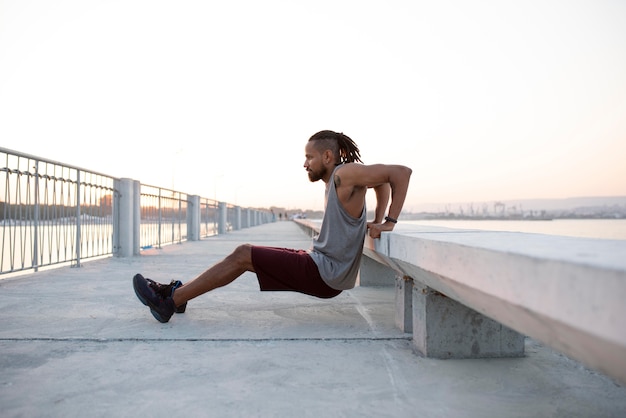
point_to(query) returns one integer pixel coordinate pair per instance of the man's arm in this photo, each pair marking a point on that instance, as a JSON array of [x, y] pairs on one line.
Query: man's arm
[[398, 180], [355, 176], [383, 192]]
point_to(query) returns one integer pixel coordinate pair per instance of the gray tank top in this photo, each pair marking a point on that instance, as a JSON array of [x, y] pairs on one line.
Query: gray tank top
[[338, 248]]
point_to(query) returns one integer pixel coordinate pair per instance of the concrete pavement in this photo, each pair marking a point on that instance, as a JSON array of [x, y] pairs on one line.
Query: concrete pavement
[[76, 342]]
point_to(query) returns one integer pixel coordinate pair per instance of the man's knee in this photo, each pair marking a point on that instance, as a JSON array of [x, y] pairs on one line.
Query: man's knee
[[243, 256], [243, 250]]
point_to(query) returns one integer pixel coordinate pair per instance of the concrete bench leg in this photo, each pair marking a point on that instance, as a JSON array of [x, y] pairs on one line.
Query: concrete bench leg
[[444, 328], [375, 274], [404, 303]]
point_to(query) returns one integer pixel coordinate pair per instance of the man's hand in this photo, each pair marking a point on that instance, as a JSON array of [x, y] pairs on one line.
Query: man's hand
[[375, 229]]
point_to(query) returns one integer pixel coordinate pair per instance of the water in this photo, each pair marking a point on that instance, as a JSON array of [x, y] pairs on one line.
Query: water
[[583, 228]]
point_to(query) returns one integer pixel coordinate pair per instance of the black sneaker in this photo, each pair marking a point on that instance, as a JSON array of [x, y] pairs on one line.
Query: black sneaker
[[166, 290], [162, 308]]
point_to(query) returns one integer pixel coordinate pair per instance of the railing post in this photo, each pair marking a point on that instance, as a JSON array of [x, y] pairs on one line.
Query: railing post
[[222, 218], [173, 238], [160, 221], [136, 217], [242, 218], [126, 231], [115, 204], [35, 260], [215, 217], [78, 218], [193, 218], [237, 222]]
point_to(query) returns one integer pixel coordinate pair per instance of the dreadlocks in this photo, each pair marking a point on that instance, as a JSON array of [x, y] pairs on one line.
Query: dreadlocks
[[344, 149]]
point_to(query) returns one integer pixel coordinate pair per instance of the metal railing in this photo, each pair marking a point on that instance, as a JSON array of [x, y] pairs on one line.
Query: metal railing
[[208, 217], [163, 216], [53, 213]]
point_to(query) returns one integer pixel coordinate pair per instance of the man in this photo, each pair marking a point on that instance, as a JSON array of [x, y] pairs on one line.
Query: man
[[332, 263]]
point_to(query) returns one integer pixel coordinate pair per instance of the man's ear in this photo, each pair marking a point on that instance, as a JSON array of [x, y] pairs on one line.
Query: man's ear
[[327, 156]]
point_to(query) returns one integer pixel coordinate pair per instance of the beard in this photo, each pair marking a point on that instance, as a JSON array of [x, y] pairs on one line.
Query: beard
[[316, 175]]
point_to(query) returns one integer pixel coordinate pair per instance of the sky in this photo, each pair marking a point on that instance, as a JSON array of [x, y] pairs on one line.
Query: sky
[[484, 100]]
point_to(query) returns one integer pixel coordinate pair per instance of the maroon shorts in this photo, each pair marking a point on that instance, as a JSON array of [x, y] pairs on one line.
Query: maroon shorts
[[287, 269]]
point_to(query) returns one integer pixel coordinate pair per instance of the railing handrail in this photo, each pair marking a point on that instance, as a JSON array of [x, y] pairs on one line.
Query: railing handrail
[[49, 161]]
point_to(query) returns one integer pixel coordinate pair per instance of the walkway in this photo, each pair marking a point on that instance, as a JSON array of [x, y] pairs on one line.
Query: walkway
[[76, 342]]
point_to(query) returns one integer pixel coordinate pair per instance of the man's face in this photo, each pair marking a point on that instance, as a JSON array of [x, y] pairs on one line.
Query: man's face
[[313, 162]]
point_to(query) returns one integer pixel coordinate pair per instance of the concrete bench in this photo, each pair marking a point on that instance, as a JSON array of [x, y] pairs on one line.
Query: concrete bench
[[472, 294]]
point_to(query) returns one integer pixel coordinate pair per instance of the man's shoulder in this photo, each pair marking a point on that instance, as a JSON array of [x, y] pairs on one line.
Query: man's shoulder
[[358, 174], [349, 168], [346, 174]]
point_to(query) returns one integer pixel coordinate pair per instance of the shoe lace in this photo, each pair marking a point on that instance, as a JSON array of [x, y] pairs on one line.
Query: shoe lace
[[164, 290]]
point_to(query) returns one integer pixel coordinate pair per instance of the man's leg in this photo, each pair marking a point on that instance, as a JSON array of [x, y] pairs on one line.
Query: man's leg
[[221, 274]]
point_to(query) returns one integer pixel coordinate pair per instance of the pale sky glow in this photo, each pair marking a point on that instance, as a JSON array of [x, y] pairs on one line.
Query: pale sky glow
[[484, 100]]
